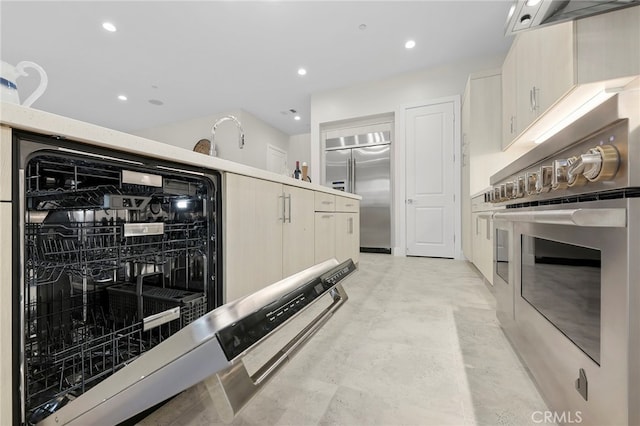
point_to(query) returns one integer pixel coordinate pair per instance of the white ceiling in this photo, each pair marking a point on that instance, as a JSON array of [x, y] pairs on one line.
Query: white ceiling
[[205, 57]]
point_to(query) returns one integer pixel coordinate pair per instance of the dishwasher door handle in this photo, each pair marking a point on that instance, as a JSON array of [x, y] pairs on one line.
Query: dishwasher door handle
[[233, 387]]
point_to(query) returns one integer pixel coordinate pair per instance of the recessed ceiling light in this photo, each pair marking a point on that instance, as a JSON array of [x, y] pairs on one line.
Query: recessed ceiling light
[[297, 118], [525, 20], [109, 27], [410, 44], [156, 102], [122, 97], [302, 71], [532, 2]]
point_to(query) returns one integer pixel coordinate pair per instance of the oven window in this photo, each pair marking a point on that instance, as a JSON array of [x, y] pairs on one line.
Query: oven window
[[562, 282], [502, 254]]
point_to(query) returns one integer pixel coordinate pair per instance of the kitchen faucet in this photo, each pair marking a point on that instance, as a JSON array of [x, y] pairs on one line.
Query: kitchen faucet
[[215, 126]]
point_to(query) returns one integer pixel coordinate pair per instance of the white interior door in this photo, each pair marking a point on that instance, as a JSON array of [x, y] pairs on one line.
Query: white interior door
[[276, 160], [430, 190]]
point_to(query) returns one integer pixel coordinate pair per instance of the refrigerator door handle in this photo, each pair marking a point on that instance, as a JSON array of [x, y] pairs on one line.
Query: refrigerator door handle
[[349, 185], [354, 176]]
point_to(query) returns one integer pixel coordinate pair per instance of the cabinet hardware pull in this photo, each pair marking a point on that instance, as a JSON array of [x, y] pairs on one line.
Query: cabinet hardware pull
[[531, 100], [289, 197]]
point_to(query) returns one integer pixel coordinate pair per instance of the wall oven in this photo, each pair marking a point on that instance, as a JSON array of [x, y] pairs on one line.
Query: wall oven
[[568, 272]]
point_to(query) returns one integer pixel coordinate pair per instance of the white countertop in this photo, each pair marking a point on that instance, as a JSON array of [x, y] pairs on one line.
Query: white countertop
[[33, 120]]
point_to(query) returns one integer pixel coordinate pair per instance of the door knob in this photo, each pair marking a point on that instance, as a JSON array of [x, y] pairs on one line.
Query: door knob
[[409, 201]]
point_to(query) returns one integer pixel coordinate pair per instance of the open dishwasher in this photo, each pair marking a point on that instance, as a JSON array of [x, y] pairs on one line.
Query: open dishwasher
[[118, 255], [119, 293]]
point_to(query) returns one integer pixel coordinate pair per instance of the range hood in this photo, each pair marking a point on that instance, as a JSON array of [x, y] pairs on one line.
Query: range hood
[[529, 14]]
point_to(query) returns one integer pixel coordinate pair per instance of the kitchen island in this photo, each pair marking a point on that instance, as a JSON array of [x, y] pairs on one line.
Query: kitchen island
[[271, 226]]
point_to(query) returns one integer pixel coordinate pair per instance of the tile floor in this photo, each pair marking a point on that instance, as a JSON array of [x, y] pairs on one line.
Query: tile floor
[[417, 343]]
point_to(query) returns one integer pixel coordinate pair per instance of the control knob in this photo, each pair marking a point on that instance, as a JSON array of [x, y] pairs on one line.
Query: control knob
[[599, 163], [560, 179], [530, 183], [545, 175]]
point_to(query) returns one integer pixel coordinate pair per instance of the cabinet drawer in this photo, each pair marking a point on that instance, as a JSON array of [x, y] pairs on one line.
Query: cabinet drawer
[[344, 204], [325, 202]]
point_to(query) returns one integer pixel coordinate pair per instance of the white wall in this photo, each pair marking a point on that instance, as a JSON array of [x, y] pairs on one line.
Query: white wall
[[300, 150], [258, 135], [392, 95]]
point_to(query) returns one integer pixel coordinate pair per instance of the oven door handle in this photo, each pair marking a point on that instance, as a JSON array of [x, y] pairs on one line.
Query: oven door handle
[[607, 218]]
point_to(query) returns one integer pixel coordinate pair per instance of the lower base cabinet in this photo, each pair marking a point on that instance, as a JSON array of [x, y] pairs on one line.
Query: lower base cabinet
[[482, 240], [274, 230], [325, 236], [337, 229], [347, 236]]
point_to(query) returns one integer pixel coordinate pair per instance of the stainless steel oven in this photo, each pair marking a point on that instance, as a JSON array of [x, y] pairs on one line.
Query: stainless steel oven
[[567, 264]]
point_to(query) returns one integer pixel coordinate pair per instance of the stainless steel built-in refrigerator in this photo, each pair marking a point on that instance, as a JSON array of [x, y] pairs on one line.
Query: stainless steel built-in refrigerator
[[361, 164]]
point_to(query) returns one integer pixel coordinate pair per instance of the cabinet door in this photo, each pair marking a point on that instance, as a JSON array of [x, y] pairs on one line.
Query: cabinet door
[[253, 235], [298, 230], [347, 237], [527, 62], [555, 68], [325, 236], [482, 245], [5, 163], [509, 98], [607, 45], [6, 347]]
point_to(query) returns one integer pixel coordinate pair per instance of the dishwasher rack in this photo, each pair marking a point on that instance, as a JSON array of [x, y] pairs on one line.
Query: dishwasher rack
[[95, 249], [117, 259], [81, 328]]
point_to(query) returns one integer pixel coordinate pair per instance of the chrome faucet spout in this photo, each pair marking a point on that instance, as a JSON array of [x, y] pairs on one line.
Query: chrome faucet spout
[[222, 120]]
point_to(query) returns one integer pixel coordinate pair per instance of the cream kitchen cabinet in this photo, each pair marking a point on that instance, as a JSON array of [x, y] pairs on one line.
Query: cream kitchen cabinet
[[5, 163], [6, 352], [482, 149], [608, 45], [337, 229], [269, 230], [347, 240], [253, 235], [544, 72], [297, 230], [325, 236], [483, 244], [509, 104], [482, 237], [549, 72]]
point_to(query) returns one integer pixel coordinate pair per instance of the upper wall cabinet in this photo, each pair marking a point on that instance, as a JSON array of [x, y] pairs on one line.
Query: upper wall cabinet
[[545, 66], [509, 104], [538, 71], [608, 45]]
